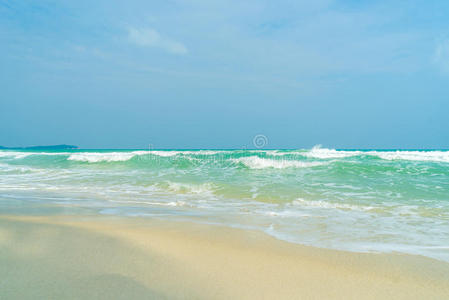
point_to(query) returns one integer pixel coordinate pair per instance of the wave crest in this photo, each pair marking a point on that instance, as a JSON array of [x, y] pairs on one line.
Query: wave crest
[[324, 153], [99, 157], [432, 156], [435, 156], [255, 162]]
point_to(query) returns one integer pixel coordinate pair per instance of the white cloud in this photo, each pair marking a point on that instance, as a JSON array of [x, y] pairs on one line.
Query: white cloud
[[148, 37], [441, 57]]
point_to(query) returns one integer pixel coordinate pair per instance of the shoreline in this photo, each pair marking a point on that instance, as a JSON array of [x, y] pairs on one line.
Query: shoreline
[[119, 257]]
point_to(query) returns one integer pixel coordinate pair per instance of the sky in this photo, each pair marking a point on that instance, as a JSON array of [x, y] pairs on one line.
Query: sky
[[214, 74]]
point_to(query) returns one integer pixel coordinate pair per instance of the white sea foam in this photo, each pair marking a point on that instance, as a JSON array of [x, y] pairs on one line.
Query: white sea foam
[[278, 153], [14, 154], [19, 154], [329, 205], [171, 203], [205, 188], [163, 153], [435, 156], [124, 156], [324, 153], [93, 157], [168, 153], [255, 162]]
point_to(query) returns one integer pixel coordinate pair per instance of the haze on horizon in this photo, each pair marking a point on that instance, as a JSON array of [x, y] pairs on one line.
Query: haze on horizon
[[213, 74]]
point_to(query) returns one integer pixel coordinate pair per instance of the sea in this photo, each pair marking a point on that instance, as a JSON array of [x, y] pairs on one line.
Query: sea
[[355, 200]]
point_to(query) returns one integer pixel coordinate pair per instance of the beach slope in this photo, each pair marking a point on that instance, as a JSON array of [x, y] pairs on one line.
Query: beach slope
[[63, 257]]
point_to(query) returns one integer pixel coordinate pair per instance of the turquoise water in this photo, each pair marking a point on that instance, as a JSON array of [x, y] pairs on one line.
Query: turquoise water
[[380, 201]]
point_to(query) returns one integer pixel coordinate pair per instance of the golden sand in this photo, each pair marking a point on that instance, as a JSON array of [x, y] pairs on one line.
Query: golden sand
[[120, 258]]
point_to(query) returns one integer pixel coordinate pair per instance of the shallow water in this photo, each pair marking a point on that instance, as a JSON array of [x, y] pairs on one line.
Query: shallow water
[[352, 200]]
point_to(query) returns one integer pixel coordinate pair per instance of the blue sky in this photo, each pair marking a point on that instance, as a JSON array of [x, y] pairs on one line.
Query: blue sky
[[213, 74]]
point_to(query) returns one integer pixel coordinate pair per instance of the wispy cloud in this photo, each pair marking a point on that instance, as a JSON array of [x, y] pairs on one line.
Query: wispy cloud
[[441, 57], [149, 37]]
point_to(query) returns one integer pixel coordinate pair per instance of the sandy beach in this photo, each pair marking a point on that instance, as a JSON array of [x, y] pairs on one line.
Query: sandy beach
[[62, 257], [224, 150]]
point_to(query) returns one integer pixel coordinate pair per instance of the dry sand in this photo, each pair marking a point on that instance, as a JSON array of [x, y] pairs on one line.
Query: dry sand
[[120, 258]]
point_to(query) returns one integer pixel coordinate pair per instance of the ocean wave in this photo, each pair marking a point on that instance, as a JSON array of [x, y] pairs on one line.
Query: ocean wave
[[324, 153], [168, 153], [13, 154], [255, 162], [164, 153], [20, 155], [284, 152], [93, 157], [433, 156]]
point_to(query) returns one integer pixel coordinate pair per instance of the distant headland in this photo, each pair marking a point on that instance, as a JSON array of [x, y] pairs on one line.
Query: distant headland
[[51, 147]]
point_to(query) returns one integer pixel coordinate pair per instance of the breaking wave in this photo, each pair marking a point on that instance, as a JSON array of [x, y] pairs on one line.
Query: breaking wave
[[250, 158], [99, 157], [255, 162], [416, 155]]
